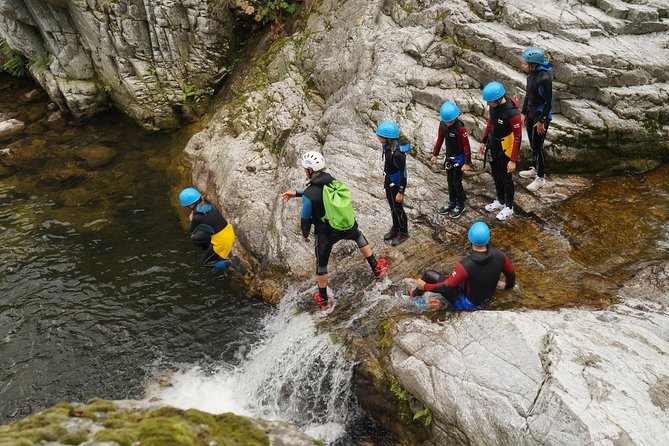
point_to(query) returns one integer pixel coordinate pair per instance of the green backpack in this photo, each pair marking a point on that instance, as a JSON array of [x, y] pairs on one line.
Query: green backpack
[[338, 208]]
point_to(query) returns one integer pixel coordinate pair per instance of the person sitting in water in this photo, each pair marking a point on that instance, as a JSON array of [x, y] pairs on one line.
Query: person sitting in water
[[473, 281], [210, 231]]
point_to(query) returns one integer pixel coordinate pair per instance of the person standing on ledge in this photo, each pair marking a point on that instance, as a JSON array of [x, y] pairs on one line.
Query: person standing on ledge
[[210, 231], [536, 112], [315, 212], [394, 179], [502, 138], [472, 283], [453, 134]]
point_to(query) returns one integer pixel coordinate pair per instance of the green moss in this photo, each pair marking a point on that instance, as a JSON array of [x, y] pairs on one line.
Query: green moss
[[319, 443], [43, 426], [95, 407], [14, 64], [75, 438], [426, 413], [375, 106], [386, 340]]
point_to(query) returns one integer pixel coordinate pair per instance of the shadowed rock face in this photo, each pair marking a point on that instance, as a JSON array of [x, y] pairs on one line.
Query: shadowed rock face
[[151, 59]]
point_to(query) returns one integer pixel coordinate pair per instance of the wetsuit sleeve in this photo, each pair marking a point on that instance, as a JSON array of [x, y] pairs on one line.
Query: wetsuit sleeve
[[440, 141], [509, 273], [517, 130], [306, 217], [546, 84], [458, 276], [402, 166], [488, 128], [299, 192], [527, 97], [463, 142]]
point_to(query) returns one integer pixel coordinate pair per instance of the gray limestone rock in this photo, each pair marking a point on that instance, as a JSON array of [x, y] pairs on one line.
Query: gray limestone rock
[[543, 377]]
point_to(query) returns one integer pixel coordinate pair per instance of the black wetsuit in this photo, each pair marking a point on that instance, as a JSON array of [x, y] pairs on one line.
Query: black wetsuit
[[395, 172], [207, 221], [537, 108], [313, 212]]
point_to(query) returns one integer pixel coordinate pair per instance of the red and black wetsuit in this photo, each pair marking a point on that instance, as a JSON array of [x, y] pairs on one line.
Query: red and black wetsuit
[[474, 280], [457, 154], [502, 135], [537, 108]]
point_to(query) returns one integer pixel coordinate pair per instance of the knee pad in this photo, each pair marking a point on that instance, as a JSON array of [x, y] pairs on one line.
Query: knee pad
[[361, 241]]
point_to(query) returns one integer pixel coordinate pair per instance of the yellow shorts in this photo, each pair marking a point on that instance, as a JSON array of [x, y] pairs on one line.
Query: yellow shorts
[[222, 241]]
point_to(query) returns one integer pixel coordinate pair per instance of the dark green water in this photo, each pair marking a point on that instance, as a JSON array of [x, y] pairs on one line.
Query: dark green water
[[99, 285]]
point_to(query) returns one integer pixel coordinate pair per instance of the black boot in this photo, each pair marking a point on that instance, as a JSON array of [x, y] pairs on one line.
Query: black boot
[[391, 234]]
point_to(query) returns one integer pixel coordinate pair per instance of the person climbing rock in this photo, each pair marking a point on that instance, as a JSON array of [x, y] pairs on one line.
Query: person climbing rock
[[453, 134], [472, 283], [394, 179], [502, 138], [536, 111], [332, 219], [210, 231]]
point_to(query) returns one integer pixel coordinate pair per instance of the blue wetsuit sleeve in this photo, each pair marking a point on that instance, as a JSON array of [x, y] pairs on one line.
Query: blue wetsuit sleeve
[[546, 87], [402, 166], [299, 192], [306, 216]]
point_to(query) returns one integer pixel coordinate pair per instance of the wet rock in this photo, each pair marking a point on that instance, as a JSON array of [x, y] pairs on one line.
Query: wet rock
[[25, 152], [10, 128], [32, 96], [57, 120], [62, 176], [96, 156], [514, 377], [52, 107], [36, 113], [6, 116]]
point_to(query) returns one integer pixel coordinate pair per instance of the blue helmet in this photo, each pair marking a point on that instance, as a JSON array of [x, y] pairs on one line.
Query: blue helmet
[[493, 91], [479, 234], [189, 196], [388, 130], [449, 111], [533, 55]]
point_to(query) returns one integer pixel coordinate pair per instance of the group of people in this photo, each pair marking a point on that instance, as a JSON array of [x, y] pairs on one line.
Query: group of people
[[473, 281]]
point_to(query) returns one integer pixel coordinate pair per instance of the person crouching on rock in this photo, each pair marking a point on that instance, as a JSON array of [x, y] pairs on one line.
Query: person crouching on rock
[[210, 231], [474, 280], [394, 179], [315, 212]]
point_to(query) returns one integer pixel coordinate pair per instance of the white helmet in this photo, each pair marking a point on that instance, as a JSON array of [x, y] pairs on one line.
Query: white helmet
[[314, 161]]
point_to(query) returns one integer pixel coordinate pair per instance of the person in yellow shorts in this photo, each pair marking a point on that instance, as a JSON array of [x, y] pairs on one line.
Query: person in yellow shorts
[[210, 231]]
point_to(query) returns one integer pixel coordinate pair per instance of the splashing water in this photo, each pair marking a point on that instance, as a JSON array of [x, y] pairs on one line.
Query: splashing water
[[294, 374]]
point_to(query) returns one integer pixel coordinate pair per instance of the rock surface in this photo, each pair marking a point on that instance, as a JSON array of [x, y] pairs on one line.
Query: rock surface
[[539, 377], [152, 59], [357, 63]]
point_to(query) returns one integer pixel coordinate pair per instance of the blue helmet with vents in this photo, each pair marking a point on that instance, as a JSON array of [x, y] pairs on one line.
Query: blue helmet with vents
[[388, 130], [479, 234], [533, 55], [449, 111], [493, 92], [189, 196]]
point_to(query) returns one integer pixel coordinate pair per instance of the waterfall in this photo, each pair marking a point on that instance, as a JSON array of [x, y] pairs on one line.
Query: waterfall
[[295, 373]]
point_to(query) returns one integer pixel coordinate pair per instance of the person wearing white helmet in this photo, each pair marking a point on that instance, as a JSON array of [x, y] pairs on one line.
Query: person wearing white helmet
[[314, 213]]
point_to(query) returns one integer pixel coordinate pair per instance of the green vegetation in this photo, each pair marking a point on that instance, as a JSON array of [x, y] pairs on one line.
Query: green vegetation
[[425, 413], [191, 93], [275, 11], [44, 60], [15, 64], [386, 340], [375, 106]]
